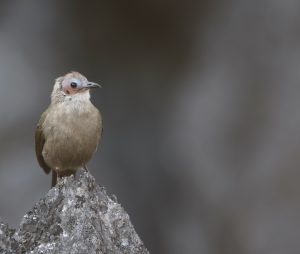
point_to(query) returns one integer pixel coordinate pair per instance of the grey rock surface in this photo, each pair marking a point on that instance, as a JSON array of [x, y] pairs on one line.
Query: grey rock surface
[[76, 216]]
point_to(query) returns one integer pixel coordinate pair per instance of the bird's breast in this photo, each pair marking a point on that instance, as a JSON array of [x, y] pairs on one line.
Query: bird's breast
[[72, 132]]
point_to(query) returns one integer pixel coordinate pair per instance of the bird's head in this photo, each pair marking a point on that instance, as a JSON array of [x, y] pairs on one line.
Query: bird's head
[[72, 85]]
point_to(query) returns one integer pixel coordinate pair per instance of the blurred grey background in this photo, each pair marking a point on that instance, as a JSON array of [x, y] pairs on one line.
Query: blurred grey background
[[200, 102]]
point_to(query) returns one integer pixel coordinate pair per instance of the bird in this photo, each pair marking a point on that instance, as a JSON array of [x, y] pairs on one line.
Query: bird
[[69, 130]]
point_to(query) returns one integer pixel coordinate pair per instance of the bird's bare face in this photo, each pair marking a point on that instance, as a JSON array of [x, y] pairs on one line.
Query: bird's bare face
[[73, 83]]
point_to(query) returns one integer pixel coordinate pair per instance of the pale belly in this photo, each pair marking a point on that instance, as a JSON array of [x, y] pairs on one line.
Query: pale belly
[[71, 138]]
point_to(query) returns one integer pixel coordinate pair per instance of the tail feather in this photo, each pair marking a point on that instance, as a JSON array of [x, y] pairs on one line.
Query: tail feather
[[54, 178]]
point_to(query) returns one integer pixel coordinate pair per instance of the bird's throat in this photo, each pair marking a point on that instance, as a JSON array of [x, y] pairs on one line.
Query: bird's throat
[[79, 96]]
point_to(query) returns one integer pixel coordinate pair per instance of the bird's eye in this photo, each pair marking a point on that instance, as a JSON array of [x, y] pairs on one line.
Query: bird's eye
[[73, 84]]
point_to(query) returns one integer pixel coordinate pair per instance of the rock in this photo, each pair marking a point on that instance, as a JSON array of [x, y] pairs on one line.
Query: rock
[[75, 216]]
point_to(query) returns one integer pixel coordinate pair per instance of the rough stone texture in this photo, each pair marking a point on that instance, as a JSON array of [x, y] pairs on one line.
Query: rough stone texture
[[76, 216]]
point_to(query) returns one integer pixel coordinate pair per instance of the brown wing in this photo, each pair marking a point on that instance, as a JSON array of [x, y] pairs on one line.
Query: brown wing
[[39, 144]]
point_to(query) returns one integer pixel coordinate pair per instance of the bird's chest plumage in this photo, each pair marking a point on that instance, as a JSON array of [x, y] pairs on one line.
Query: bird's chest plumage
[[72, 132]]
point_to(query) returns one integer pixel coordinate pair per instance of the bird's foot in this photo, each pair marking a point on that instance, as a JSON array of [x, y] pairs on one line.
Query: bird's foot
[[85, 168]]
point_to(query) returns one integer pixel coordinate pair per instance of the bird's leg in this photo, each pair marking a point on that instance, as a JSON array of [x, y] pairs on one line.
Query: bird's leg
[[60, 174]]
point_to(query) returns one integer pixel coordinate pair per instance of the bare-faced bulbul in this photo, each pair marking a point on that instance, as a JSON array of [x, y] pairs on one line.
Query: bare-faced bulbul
[[68, 132]]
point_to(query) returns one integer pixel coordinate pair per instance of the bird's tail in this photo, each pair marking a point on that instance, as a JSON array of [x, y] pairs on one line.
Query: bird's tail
[[54, 178]]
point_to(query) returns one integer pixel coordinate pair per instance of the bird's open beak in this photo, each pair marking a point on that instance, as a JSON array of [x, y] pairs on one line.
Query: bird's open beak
[[92, 85]]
